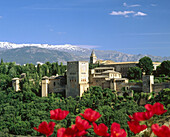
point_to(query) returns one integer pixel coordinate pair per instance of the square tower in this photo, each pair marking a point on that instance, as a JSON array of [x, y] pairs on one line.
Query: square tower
[[15, 84], [77, 78], [93, 58], [44, 87], [148, 81]]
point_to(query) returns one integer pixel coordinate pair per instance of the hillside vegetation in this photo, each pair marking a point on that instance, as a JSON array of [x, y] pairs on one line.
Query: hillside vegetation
[[21, 111]]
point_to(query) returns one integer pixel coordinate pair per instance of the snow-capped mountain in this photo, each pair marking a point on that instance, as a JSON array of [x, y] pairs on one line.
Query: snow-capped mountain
[[32, 53], [66, 47]]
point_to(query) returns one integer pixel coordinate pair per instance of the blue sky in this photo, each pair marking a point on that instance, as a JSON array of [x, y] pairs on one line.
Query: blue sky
[[129, 26]]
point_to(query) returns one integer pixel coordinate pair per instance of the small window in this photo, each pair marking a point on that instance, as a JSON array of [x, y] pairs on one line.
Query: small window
[[54, 84]]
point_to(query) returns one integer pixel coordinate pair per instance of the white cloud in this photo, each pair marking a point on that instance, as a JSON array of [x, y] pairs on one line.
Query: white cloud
[[123, 13], [130, 6], [127, 13], [140, 14]]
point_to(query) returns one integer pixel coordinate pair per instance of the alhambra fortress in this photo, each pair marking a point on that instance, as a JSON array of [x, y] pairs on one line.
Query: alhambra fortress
[[113, 75]]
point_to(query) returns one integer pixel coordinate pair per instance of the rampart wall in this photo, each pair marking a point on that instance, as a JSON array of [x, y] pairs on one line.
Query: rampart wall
[[160, 86]]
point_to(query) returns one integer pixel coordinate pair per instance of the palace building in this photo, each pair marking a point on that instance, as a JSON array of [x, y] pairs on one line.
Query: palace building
[[78, 78]]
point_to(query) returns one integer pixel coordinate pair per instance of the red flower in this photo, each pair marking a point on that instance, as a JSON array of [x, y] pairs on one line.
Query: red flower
[[100, 130], [135, 127], [76, 130], [141, 116], [157, 108], [163, 131], [82, 124], [58, 114], [66, 132], [70, 132], [91, 115], [116, 131], [78, 133], [46, 128]]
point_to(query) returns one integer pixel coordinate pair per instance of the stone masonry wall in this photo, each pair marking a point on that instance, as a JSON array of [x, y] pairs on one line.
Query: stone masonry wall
[[160, 86]]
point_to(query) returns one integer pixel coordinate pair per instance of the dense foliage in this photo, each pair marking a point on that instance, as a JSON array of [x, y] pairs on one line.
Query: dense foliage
[[21, 111], [146, 65], [92, 66], [164, 69], [33, 74], [134, 73]]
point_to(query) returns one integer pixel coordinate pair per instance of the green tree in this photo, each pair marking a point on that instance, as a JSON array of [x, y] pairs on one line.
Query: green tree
[[32, 68], [54, 69], [45, 70], [11, 65], [146, 65], [164, 68], [3, 68], [18, 69], [12, 72], [2, 61], [58, 69], [48, 63], [92, 66], [5, 81], [62, 68], [39, 70], [134, 73]]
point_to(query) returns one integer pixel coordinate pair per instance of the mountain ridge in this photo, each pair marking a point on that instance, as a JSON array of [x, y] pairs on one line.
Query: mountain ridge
[[8, 45], [33, 53]]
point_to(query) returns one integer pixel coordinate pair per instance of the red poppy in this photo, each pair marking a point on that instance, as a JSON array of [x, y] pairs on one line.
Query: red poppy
[[116, 131], [141, 116], [157, 108], [163, 131], [65, 132], [78, 133], [58, 114], [91, 115], [82, 124], [135, 127], [100, 130], [46, 128], [70, 132]]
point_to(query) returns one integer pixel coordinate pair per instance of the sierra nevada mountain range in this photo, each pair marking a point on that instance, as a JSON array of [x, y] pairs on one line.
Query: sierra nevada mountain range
[[33, 53]]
